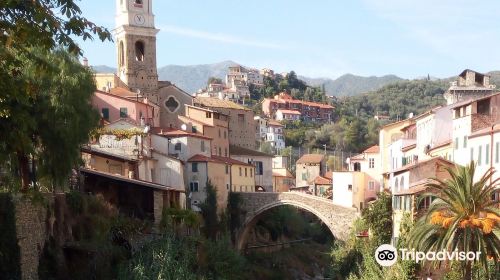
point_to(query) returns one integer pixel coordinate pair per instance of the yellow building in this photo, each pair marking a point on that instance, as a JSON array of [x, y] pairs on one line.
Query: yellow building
[[242, 174], [388, 134], [444, 150]]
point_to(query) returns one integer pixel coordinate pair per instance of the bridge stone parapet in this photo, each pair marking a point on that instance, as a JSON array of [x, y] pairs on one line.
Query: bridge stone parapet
[[337, 218]]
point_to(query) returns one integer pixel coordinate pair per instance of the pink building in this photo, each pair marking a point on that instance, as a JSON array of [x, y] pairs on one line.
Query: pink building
[[113, 107], [308, 111]]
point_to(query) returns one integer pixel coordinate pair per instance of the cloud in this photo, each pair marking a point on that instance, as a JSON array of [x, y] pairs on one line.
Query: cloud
[[220, 37]]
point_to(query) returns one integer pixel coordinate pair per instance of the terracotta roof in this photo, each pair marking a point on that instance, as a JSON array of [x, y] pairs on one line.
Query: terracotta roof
[[274, 123], [218, 103], [421, 162], [329, 175], [372, 150], [240, 151], [358, 156], [123, 92], [177, 133], [202, 158], [230, 161], [408, 147], [320, 180], [417, 188], [123, 97], [292, 112], [311, 158]]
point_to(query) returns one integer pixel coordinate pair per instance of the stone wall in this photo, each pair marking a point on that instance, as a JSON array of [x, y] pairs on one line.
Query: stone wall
[[31, 235]]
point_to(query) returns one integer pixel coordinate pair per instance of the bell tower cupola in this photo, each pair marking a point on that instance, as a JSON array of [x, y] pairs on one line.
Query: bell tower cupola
[[135, 38]]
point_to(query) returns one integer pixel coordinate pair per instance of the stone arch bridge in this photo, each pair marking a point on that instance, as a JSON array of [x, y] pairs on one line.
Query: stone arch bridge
[[337, 218]]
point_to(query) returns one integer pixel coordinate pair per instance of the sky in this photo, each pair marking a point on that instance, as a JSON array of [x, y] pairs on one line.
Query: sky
[[319, 38]]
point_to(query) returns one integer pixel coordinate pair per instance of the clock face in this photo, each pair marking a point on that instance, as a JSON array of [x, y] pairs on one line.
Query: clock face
[[139, 19]]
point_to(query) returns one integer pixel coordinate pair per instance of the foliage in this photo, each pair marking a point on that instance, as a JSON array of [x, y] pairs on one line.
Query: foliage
[[462, 216], [167, 258], [10, 266], [378, 217], [209, 213], [51, 115], [44, 92], [120, 134], [174, 218], [222, 261], [214, 80], [234, 211]]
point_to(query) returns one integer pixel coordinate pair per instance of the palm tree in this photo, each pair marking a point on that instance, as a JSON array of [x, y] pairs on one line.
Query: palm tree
[[462, 216]]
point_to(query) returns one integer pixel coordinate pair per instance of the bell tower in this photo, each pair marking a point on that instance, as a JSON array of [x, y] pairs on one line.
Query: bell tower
[[135, 37]]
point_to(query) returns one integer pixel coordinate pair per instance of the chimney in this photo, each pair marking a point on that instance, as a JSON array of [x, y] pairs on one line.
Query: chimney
[[85, 62]]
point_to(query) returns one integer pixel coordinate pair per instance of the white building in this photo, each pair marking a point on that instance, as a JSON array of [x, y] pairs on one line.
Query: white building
[[288, 115]]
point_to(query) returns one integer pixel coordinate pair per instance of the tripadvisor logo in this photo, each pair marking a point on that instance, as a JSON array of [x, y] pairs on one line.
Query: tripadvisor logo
[[387, 255]]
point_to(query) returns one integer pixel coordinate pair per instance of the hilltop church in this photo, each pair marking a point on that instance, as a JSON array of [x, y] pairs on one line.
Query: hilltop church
[[137, 76]]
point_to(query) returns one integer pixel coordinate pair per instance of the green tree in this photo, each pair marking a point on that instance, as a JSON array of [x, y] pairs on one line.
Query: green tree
[[24, 25], [378, 217], [214, 80], [209, 213], [462, 216]]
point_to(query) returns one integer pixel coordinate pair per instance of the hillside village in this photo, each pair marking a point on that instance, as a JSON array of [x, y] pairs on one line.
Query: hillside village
[[179, 142]]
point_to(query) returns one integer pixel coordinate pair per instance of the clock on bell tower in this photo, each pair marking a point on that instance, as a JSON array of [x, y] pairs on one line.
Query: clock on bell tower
[[135, 37]]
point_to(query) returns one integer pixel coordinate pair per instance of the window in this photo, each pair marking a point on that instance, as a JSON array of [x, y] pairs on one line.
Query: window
[[402, 184], [371, 185], [139, 2], [105, 113], [241, 173], [304, 176], [227, 169], [497, 148], [371, 163], [479, 155], [471, 153], [123, 112], [465, 141], [139, 51], [227, 186], [194, 167], [349, 187], [357, 166], [456, 143], [246, 172], [202, 145], [220, 151], [425, 203], [225, 152], [225, 134], [208, 115], [193, 186], [259, 170], [251, 172], [396, 185], [172, 104], [194, 129], [177, 146], [487, 154]]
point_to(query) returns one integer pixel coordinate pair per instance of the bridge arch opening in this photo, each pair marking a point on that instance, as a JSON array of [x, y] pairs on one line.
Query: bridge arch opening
[[250, 222]]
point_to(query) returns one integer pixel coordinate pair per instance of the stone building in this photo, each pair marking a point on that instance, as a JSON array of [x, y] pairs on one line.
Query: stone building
[[241, 120], [470, 85], [308, 167]]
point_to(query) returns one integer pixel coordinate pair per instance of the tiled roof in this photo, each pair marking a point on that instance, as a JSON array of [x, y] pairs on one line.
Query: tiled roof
[[421, 162], [177, 133], [202, 158], [329, 175], [372, 150], [229, 160], [311, 158], [240, 151], [320, 180], [274, 123], [293, 112], [218, 103], [123, 92]]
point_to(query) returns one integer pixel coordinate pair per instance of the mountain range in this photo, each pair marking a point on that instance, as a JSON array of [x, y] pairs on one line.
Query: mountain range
[[191, 78]]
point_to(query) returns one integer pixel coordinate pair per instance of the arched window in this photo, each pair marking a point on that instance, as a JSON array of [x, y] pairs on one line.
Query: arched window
[[139, 51], [121, 54]]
